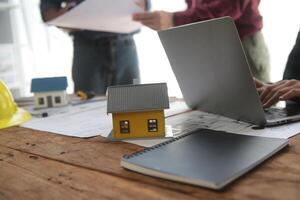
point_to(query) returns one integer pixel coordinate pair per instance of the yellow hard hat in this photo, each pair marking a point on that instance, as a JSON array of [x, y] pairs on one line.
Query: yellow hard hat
[[10, 114]]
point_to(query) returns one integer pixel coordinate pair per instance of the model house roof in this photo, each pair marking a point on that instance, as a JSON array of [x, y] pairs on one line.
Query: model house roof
[[49, 84], [134, 98]]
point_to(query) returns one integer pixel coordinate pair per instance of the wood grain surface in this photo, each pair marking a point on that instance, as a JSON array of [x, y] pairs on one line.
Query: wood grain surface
[[40, 165]]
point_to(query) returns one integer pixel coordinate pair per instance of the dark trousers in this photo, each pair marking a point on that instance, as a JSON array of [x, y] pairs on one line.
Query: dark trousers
[[103, 62]]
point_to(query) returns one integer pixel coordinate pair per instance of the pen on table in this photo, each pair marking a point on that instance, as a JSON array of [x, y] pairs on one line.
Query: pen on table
[[41, 115]]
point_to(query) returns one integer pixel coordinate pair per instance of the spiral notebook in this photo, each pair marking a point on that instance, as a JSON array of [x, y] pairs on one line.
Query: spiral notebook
[[204, 157]]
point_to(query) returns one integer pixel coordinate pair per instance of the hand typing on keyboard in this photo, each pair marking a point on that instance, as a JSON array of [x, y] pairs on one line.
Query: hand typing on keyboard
[[270, 94]]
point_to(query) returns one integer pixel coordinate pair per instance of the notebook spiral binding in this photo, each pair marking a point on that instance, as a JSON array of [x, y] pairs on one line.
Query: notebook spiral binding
[[128, 156]]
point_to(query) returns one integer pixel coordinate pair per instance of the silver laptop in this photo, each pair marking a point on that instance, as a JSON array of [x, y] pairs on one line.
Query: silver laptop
[[211, 68]]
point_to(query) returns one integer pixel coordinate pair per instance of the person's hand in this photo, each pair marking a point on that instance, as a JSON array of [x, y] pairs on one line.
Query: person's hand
[[157, 20], [258, 83], [280, 91], [53, 13]]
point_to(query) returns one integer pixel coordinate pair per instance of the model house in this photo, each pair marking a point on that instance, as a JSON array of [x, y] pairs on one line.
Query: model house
[[138, 110], [50, 92]]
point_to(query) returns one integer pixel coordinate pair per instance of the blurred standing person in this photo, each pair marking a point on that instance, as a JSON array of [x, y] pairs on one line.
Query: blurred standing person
[[100, 59], [247, 18], [287, 89]]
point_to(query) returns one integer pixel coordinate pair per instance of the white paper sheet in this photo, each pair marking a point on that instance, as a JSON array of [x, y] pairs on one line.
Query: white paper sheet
[[101, 15], [84, 120], [197, 119], [189, 121], [176, 107], [88, 120]]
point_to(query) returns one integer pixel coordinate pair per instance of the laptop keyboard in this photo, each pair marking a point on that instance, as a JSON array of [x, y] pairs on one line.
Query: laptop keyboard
[[277, 113]]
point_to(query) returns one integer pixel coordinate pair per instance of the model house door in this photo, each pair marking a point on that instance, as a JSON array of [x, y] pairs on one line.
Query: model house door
[[49, 101]]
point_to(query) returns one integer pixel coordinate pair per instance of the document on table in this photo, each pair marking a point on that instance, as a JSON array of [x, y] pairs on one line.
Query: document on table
[[85, 120], [190, 121], [91, 119], [101, 15]]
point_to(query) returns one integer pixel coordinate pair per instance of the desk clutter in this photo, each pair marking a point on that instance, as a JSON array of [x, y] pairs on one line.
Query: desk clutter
[[68, 121], [98, 112], [206, 150], [145, 113]]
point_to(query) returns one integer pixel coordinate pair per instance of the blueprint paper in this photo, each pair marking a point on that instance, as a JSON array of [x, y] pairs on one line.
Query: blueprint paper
[[91, 119], [189, 121], [84, 120]]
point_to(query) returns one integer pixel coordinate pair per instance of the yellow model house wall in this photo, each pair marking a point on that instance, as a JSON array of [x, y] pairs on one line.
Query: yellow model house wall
[[138, 122]]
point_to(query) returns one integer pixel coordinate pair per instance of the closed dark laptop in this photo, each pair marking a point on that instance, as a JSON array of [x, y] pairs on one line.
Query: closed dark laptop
[[204, 157]]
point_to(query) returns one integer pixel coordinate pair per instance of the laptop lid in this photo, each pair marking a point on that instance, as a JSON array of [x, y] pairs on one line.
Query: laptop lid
[[211, 68]]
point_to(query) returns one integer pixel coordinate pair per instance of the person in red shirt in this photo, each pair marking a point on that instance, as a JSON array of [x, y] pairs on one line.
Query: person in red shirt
[[247, 18]]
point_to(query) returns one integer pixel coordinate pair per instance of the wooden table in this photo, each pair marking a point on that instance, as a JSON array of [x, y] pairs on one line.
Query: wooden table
[[39, 165]]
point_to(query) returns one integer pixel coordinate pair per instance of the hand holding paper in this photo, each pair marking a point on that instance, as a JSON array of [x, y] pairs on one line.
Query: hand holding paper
[[101, 15], [157, 20]]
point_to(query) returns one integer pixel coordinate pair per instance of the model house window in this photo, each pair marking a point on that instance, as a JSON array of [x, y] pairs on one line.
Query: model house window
[[41, 101], [152, 125], [57, 99], [124, 126]]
